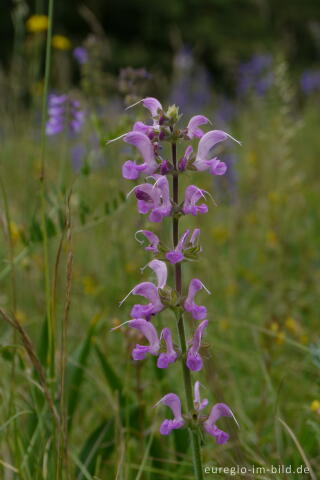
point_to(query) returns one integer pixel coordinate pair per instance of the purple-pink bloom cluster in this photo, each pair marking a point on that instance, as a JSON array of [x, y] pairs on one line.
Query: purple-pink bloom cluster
[[65, 114], [154, 200], [218, 410]]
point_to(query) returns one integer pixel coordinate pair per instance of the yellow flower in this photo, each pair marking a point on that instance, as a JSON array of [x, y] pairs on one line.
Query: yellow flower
[[231, 289], [274, 197], [252, 158], [280, 338], [220, 234], [303, 339], [251, 218], [315, 406], [223, 324], [272, 239], [37, 23], [14, 232], [90, 286], [130, 267], [20, 316], [274, 327], [60, 42], [292, 325]]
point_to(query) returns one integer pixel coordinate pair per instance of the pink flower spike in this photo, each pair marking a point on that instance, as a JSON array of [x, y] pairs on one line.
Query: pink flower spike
[[176, 255], [152, 238], [171, 355], [161, 271], [149, 291], [219, 410], [165, 208], [131, 170], [191, 197], [197, 402], [185, 159], [194, 236], [148, 330], [148, 197], [198, 312], [143, 128], [172, 401], [193, 129], [153, 105], [207, 142], [194, 360]]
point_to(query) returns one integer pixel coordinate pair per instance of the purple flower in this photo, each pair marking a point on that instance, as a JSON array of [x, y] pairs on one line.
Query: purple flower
[[191, 197], [310, 81], [148, 330], [154, 198], [194, 360], [193, 129], [176, 255], [198, 312], [160, 269], [149, 291], [172, 401], [185, 159], [131, 170], [143, 128], [152, 238], [152, 104], [197, 402], [255, 75], [81, 55], [207, 142], [64, 114], [218, 410], [171, 355]]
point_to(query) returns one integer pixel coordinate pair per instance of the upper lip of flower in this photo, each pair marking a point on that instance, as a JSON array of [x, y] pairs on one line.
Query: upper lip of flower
[[149, 291], [193, 129]]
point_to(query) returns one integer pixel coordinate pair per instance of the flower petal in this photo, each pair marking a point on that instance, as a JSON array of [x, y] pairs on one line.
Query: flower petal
[[193, 126]]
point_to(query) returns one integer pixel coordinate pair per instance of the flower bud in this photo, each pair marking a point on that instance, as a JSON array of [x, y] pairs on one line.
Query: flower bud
[[173, 114], [168, 296]]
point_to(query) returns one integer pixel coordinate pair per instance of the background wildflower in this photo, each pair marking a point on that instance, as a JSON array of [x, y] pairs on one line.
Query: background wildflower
[[37, 23]]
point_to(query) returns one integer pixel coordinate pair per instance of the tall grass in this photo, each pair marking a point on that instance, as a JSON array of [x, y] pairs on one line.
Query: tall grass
[[75, 407]]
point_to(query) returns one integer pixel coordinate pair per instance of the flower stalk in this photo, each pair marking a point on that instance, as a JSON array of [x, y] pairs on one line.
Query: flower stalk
[[194, 435], [153, 198]]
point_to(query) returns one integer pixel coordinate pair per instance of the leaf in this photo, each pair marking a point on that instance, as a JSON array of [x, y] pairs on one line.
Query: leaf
[[99, 442], [75, 373], [111, 376], [35, 231], [51, 228]]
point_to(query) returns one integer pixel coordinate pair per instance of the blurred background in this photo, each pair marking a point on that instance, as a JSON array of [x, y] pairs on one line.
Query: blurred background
[[252, 67]]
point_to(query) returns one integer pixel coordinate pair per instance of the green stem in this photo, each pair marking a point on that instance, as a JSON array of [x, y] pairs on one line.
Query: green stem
[[51, 327], [194, 436]]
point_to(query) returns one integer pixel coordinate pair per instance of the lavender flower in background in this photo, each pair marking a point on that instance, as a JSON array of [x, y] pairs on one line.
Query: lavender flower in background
[[225, 111], [310, 81], [255, 75], [191, 82], [65, 115], [78, 155], [154, 198], [81, 55]]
